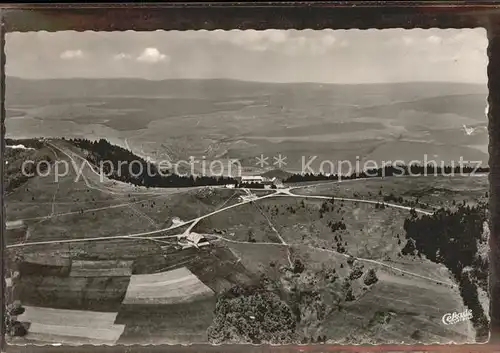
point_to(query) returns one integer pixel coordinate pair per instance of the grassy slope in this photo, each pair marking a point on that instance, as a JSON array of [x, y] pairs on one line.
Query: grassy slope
[[418, 303], [219, 267], [370, 232], [438, 191]]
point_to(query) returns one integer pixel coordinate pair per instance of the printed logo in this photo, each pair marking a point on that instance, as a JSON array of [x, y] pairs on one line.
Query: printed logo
[[454, 318]]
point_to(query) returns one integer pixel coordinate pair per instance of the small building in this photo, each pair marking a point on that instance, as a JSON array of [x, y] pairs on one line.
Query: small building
[[197, 240], [252, 179], [278, 183], [261, 182]]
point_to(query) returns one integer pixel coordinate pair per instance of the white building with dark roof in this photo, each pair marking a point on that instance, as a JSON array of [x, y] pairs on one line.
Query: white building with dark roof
[[252, 179]]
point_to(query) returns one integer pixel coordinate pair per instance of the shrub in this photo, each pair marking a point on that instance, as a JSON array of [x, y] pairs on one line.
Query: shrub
[[370, 277], [260, 317]]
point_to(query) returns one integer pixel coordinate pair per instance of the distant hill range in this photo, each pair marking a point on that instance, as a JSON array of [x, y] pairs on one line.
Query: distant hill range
[[20, 90], [220, 118]]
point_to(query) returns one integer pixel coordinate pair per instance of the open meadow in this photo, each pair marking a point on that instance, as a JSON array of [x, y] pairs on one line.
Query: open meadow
[[430, 191], [331, 253]]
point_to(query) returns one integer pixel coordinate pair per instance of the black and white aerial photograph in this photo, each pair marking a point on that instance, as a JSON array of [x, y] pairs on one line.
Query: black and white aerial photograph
[[247, 187]]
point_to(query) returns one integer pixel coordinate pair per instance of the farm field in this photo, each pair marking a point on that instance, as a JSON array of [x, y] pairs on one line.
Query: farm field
[[140, 286], [170, 287], [186, 323], [71, 327], [101, 268]]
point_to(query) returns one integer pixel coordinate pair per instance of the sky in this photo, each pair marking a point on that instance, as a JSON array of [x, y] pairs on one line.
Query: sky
[[327, 56]]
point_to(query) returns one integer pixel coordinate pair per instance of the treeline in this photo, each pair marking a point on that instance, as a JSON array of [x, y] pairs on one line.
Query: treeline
[[408, 203], [388, 171], [121, 164], [453, 238]]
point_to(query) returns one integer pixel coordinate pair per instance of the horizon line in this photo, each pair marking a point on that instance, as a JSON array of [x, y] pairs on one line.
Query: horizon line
[[236, 80]]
